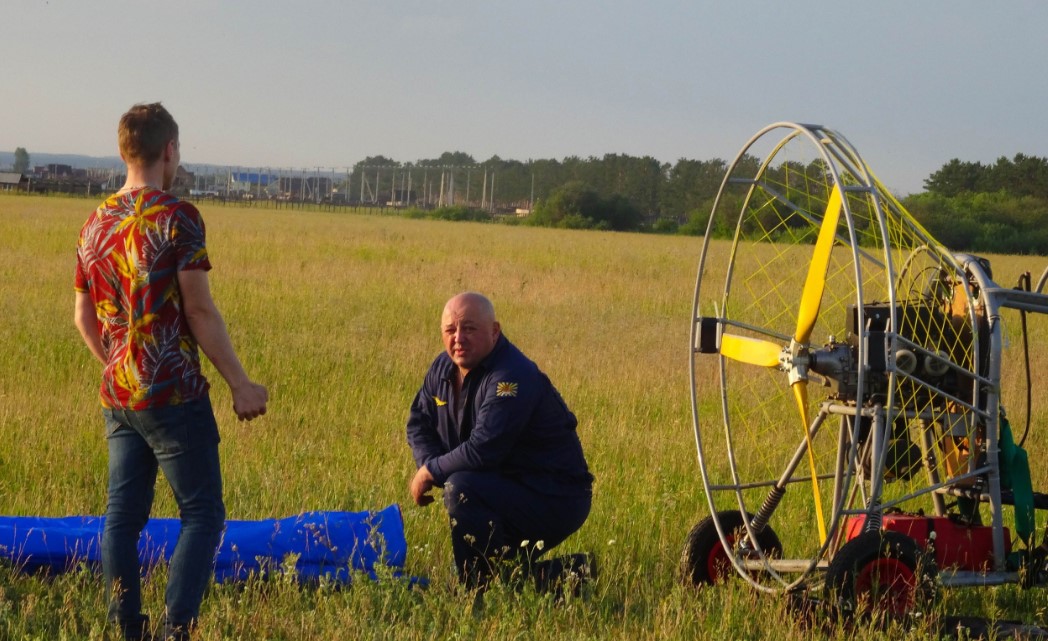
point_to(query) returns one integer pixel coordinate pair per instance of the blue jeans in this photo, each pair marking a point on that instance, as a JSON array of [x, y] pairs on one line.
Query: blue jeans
[[182, 440]]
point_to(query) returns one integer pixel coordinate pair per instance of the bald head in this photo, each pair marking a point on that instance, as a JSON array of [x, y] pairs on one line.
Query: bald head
[[469, 329], [470, 300]]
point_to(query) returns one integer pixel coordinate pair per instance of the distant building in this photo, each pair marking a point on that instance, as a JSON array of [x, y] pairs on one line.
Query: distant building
[[10, 181], [184, 180], [251, 179], [53, 171]]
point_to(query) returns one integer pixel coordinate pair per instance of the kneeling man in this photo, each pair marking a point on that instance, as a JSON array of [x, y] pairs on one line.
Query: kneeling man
[[490, 428]]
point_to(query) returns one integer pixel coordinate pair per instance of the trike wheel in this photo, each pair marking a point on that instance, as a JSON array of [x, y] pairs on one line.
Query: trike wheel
[[706, 561], [883, 575]]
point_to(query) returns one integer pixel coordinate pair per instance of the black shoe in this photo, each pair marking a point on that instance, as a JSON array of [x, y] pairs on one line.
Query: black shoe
[[177, 631], [136, 629], [565, 574]]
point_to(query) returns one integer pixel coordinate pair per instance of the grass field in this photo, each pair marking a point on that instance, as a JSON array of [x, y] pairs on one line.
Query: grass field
[[338, 315]]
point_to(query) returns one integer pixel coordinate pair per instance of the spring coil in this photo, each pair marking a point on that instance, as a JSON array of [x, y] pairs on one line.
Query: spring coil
[[873, 518], [770, 503]]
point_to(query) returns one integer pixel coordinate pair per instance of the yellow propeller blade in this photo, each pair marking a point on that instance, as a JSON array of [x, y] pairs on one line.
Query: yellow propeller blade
[[753, 351], [800, 392], [815, 283]]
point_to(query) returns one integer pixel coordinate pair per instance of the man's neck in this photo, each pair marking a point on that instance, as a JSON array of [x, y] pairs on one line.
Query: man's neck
[[138, 176]]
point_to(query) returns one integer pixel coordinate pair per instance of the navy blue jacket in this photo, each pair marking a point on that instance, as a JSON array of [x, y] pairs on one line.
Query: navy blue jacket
[[512, 421]]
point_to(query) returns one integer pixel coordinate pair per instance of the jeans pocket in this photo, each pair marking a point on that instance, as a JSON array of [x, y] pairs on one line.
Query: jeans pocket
[[112, 422], [166, 429]]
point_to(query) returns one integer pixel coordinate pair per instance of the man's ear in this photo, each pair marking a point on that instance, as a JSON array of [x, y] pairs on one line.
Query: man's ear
[[169, 149], [497, 329]]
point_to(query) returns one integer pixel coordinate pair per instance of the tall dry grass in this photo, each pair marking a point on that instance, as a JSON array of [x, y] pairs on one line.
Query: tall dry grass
[[338, 315]]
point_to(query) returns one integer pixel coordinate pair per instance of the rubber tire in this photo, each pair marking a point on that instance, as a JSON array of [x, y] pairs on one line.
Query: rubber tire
[[705, 562], [860, 562]]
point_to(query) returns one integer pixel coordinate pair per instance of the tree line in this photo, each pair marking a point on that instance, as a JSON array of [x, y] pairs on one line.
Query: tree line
[[998, 208], [616, 191], [968, 206]]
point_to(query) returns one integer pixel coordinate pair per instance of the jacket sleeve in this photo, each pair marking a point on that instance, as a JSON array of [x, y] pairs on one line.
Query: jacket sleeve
[[422, 424], [504, 406]]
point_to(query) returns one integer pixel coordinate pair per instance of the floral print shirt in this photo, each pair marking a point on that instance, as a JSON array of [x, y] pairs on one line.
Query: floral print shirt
[[128, 256]]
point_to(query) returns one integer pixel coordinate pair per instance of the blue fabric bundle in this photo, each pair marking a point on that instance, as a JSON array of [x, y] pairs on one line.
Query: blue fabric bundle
[[329, 545]]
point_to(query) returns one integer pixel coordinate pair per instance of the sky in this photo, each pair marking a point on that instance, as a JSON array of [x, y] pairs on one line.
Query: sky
[[327, 83]]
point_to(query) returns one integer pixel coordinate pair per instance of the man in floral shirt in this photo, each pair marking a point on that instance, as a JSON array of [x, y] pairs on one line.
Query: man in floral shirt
[[143, 306]]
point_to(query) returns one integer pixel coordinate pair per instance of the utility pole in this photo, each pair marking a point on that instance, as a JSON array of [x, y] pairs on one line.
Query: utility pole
[[484, 192], [492, 191]]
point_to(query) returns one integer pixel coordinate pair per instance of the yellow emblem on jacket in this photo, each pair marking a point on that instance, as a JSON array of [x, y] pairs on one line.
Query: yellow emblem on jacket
[[506, 389], [440, 403]]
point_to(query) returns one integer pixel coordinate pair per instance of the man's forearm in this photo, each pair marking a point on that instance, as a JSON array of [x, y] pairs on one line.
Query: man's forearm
[[209, 330]]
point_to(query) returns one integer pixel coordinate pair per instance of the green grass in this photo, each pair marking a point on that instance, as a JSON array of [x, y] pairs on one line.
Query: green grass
[[338, 315]]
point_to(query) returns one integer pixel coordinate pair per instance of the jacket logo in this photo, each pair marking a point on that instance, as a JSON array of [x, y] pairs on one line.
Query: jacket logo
[[506, 389], [440, 403]]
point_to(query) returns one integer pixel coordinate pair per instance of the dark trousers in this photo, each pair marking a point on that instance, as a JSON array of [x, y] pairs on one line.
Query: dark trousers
[[498, 522]]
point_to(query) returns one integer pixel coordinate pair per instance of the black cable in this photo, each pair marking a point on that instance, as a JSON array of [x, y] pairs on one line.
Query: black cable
[[1024, 285]]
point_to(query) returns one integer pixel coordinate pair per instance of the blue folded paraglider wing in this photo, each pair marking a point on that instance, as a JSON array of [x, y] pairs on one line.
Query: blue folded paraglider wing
[[322, 544]]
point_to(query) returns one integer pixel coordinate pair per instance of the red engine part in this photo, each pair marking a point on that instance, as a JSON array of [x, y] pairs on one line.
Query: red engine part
[[957, 546]]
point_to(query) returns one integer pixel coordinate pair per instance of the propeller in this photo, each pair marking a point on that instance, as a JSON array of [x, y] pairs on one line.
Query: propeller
[[763, 353], [815, 283], [752, 351]]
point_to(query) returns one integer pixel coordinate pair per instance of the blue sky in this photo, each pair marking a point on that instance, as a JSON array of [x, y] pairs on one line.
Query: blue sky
[[326, 83]]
